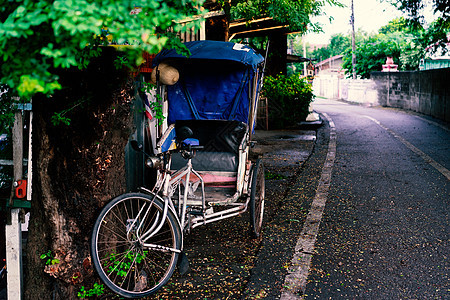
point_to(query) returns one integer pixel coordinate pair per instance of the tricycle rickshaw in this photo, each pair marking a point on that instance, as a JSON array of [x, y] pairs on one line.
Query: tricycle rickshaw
[[204, 173]]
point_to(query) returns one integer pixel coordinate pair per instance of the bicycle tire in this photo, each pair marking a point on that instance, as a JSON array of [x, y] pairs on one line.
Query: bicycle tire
[[257, 195], [122, 262]]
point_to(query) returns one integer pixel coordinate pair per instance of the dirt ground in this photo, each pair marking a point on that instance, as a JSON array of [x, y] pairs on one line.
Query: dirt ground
[[223, 254]]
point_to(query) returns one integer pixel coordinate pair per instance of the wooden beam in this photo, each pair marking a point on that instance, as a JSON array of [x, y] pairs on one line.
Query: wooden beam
[[296, 58], [240, 23], [259, 27], [258, 31]]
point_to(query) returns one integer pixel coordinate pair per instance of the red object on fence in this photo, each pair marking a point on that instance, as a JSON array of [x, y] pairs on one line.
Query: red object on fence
[[21, 189]]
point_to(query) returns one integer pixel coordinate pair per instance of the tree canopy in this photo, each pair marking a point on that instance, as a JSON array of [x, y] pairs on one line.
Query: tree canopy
[[39, 37], [296, 13], [338, 44], [396, 25], [414, 7], [406, 42], [371, 54]]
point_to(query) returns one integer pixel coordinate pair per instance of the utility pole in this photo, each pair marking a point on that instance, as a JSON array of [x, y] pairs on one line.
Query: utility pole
[[352, 21], [305, 71]]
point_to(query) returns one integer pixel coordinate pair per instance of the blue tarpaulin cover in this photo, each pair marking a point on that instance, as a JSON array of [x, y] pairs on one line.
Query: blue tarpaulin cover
[[215, 81], [215, 50]]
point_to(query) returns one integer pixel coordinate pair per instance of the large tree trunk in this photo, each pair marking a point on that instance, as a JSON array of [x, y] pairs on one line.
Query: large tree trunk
[[77, 169], [276, 62]]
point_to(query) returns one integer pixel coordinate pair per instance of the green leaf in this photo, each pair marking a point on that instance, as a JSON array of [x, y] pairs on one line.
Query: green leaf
[[40, 37]]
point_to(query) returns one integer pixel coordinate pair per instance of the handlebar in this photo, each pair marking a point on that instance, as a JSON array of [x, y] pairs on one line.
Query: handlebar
[[187, 148], [190, 144], [187, 151]]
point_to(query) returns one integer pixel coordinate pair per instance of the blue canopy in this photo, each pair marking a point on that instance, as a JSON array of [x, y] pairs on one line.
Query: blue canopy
[[215, 50], [216, 81]]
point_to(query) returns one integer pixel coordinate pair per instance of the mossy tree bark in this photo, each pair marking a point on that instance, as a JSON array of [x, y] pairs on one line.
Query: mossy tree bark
[[77, 169]]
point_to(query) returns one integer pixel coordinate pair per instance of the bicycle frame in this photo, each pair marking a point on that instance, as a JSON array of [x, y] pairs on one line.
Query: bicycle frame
[[167, 184], [173, 181]]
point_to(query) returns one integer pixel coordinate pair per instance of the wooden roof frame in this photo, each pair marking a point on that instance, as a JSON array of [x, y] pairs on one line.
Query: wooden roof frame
[[257, 27]]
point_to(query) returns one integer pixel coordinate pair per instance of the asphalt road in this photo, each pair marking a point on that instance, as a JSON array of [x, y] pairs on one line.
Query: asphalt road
[[384, 233]]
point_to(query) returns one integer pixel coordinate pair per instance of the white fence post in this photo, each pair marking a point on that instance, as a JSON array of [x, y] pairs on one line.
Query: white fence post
[[13, 231]]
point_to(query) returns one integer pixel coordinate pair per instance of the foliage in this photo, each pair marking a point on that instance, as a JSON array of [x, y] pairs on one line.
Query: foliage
[[410, 55], [289, 99], [6, 121], [157, 109], [39, 37], [97, 290], [414, 7], [273, 176], [371, 55], [396, 25], [435, 34], [406, 41], [6, 111], [122, 265], [295, 13], [321, 53], [49, 258], [339, 43], [61, 118], [156, 106]]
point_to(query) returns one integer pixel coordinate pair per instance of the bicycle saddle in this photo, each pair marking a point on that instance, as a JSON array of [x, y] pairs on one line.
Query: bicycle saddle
[[183, 133]]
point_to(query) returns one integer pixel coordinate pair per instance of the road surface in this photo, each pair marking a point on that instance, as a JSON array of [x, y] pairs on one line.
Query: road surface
[[384, 231]]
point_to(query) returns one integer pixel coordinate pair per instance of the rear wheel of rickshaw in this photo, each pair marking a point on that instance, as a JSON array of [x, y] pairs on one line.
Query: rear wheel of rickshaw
[[257, 198], [127, 262]]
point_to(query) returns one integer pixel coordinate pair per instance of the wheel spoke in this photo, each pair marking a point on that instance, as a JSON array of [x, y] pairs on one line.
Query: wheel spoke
[[123, 262]]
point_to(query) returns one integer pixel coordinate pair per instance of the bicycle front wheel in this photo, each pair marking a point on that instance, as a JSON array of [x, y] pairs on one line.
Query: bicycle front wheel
[[128, 262]]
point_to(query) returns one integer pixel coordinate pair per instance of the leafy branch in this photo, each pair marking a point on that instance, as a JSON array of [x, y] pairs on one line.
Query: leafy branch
[[39, 37], [97, 290], [155, 106], [49, 258], [60, 118]]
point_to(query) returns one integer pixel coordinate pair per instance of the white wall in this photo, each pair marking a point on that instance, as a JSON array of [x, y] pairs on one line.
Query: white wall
[[359, 91]]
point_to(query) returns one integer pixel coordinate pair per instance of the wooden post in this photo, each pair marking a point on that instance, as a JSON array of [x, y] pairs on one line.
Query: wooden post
[[13, 231], [30, 157]]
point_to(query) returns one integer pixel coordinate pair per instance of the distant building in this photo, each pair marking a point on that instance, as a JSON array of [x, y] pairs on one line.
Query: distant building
[[330, 66], [434, 63], [437, 56]]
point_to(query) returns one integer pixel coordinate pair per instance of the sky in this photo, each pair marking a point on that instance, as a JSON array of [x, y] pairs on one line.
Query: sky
[[370, 15]]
